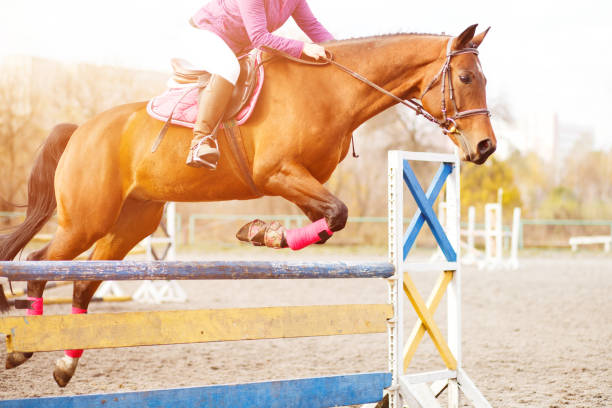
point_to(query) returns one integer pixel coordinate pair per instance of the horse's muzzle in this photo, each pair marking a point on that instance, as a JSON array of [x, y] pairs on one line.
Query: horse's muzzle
[[484, 149]]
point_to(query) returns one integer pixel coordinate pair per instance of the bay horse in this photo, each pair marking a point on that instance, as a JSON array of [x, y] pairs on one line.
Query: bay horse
[[110, 189]]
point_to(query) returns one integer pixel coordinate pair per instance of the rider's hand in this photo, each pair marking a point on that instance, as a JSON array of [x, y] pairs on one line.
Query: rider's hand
[[314, 51]]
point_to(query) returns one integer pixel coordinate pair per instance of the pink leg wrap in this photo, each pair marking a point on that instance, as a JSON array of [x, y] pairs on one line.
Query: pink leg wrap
[[299, 238], [37, 306], [76, 353]]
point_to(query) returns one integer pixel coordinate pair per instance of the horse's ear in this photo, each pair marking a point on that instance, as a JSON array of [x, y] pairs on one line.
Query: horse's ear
[[477, 40], [463, 40]]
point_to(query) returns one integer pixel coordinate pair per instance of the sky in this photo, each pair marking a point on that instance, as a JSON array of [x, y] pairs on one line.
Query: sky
[[539, 57]]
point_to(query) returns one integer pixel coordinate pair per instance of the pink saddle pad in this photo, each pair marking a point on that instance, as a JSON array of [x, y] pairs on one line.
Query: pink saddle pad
[[184, 102]]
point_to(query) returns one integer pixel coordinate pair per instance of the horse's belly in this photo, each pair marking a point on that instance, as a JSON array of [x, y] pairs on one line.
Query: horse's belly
[[179, 182]]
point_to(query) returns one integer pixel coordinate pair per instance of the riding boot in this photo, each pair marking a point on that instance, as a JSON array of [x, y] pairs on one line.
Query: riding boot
[[213, 101]]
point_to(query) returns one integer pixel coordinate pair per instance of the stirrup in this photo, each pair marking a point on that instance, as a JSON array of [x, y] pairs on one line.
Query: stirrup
[[197, 160]]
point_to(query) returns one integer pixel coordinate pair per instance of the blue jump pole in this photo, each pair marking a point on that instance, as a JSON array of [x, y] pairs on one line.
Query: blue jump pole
[[132, 270], [318, 392]]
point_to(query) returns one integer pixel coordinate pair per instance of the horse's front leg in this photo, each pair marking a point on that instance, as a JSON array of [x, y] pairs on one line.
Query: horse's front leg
[[296, 184]]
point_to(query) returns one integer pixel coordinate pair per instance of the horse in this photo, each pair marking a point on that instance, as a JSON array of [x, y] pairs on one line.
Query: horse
[[109, 188]]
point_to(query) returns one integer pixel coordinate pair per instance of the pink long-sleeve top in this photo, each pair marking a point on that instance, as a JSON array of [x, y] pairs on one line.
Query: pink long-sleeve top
[[247, 24]]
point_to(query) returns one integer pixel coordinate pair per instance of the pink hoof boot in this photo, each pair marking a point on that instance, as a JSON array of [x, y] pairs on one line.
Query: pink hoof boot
[[299, 238]]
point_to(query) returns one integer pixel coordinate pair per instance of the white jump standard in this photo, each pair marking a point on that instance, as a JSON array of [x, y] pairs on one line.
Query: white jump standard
[[422, 389]]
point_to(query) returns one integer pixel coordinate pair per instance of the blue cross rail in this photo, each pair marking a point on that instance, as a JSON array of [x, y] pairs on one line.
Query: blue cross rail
[[425, 212]]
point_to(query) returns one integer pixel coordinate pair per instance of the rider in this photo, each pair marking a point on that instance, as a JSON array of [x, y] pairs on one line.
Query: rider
[[227, 28]]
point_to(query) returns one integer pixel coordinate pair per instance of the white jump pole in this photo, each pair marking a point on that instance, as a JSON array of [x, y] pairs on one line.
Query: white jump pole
[[516, 224], [493, 235], [470, 233]]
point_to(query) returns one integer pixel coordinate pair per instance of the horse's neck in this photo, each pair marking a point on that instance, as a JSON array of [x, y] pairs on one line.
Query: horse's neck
[[401, 64]]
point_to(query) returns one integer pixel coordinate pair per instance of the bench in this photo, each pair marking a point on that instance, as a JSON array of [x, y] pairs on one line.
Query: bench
[[591, 240]]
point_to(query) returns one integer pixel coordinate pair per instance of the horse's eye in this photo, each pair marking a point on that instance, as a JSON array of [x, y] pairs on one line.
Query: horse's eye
[[466, 79]]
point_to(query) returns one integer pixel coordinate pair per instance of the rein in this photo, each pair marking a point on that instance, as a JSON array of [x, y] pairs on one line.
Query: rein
[[447, 124]]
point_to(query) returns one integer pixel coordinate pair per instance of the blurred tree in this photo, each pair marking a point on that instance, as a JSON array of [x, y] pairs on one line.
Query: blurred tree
[[36, 94], [479, 185], [19, 135], [589, 173], [561, 203], [534, 180]]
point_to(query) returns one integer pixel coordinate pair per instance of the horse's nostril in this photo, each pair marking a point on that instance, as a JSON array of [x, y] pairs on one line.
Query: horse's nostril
[[484, 146]]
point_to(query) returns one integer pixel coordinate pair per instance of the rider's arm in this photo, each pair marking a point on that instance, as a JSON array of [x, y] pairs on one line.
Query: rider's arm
[[254, 17]]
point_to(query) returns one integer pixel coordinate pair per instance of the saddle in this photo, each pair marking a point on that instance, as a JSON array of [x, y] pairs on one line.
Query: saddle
[[185, 73], [178, 105]]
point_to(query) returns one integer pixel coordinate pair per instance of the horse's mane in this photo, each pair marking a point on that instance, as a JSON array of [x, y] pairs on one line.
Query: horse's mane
[[384, 37]]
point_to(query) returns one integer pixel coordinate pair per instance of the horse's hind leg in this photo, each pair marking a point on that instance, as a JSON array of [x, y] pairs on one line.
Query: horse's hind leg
[[296, 184], [34, 291], [137, 221], [67, 243]]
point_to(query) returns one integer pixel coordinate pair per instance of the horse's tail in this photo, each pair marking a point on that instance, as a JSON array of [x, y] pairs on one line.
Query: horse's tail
[[41, 197]]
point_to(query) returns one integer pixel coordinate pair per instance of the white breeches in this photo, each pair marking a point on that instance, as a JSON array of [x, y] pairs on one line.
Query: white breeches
[[206, 50]]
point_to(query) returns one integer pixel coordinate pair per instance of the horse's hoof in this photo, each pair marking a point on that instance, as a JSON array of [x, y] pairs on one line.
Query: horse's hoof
[[16, 358], [259, 233], [250, 230], [64, 370], [260, 237], [274, 235]]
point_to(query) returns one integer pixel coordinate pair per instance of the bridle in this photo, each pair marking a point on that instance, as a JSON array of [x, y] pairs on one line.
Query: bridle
[[448, 123], [445, 72]]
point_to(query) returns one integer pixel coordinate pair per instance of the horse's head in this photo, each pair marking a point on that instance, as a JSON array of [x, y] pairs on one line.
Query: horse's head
[[456, 97]]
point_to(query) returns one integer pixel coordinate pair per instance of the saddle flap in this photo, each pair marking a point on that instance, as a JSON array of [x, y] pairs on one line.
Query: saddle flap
[[244, 86]]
